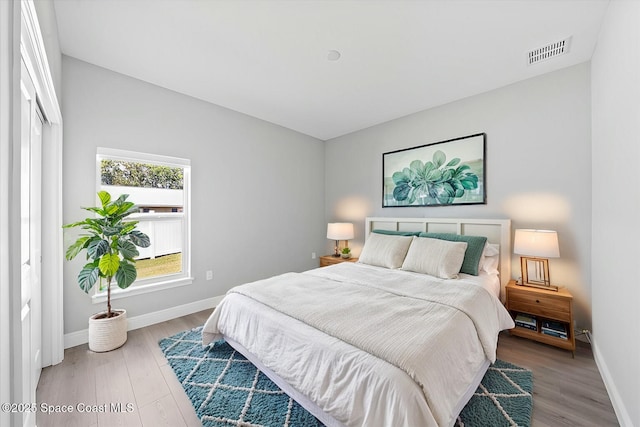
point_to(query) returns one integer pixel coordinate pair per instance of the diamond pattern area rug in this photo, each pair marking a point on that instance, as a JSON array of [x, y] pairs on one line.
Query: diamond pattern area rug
[[228, 390]]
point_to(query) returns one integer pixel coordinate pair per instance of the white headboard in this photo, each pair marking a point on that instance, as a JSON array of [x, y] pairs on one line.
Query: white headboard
[[497, 231]]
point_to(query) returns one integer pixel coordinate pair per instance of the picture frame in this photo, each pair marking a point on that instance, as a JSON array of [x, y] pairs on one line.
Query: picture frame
[[443, 173]]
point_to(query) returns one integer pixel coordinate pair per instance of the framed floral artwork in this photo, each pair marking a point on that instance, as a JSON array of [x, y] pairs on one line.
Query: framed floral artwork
[[444, 173]]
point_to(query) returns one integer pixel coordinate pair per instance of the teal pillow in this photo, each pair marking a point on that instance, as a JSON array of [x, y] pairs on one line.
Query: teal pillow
[[396, 233], [475, 246]]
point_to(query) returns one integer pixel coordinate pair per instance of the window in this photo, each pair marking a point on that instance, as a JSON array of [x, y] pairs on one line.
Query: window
[[159, 186]]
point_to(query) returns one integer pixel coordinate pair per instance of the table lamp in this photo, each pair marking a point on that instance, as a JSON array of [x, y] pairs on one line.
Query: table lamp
[[536, 246], [339, 231]]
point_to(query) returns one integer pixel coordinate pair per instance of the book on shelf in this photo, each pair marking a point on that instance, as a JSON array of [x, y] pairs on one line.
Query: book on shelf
[[554, 333], [555, 326], [526, 326], [525, 321]]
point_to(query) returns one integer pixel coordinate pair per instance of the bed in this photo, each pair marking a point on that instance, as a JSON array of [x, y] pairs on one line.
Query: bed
[[403, 337]]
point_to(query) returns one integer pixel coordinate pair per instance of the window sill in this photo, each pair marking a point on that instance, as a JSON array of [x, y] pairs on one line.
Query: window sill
[[117, 293]]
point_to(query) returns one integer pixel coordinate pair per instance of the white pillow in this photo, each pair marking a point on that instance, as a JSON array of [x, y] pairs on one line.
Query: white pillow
[[490, 259], [385, 250], [436, 257]]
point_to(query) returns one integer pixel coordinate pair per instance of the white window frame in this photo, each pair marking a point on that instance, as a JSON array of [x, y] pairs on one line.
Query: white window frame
[[152, 284]]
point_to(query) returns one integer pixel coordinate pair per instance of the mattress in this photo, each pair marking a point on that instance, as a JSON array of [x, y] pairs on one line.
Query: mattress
[[344, 385]]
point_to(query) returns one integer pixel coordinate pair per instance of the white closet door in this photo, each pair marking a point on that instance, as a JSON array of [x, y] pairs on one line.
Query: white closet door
[[30, 242]]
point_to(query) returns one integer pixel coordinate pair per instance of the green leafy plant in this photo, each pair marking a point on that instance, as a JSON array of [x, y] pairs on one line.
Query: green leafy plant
[[346, 251], [110, 243], [135, 174], [433, 181]]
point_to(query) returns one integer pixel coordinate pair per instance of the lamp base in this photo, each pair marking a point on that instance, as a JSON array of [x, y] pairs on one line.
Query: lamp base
[[534, 285], [535, 273], [336, 254]]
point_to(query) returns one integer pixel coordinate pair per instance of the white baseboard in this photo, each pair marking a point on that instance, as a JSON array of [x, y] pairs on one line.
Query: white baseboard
[[618, 405], [73, 339]]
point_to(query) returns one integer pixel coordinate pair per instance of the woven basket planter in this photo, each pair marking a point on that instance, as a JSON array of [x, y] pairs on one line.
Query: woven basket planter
[[107, 334]]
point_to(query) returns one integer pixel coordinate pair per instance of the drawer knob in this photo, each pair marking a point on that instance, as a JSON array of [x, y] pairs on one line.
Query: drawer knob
[[538, 301]]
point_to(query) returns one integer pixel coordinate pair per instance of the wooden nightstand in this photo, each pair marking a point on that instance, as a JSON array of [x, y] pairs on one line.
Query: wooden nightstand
[[544, 306], [330, 260]]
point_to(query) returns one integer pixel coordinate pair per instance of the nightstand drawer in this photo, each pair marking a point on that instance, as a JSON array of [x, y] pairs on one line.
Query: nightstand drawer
[[552, 306], [327, 260], [537, 308]]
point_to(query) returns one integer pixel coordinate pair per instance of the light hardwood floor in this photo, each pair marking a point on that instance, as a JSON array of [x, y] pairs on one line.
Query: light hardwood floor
[[567, 392]]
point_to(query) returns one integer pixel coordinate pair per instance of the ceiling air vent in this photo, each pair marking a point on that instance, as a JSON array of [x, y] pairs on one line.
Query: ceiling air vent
[[549, 51]]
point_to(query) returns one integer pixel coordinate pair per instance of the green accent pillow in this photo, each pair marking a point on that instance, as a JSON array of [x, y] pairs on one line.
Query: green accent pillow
[[396, 233], [475, 246]]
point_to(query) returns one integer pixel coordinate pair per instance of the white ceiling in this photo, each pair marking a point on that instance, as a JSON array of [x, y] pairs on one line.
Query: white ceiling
[[268, 58]]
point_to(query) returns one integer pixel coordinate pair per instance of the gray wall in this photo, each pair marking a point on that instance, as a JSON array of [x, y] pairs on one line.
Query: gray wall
[[615, 232], [257, 188], [538, 167]]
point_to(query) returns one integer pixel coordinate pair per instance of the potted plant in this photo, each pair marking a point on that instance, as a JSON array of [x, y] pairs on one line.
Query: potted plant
[[110, 244], [346, 253]]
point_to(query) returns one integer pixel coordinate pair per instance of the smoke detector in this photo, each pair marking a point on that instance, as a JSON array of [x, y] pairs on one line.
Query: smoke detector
[[333, 55], [548, 51]]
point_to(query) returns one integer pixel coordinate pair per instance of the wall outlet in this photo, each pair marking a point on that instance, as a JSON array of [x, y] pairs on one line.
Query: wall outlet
[[209, 275], [313, 255]]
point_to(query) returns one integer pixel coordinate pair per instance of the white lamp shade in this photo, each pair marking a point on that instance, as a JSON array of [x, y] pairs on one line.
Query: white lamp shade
[[340, 231], [538, 243]]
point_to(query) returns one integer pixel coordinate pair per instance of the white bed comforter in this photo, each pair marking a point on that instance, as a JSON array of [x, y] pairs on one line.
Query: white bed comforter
[[434, 333]]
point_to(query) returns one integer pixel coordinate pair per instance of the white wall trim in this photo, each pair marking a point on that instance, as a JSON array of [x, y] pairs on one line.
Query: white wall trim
[[9, 20], [117, 293], [40, 63], [73, 339], [616, 400]]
